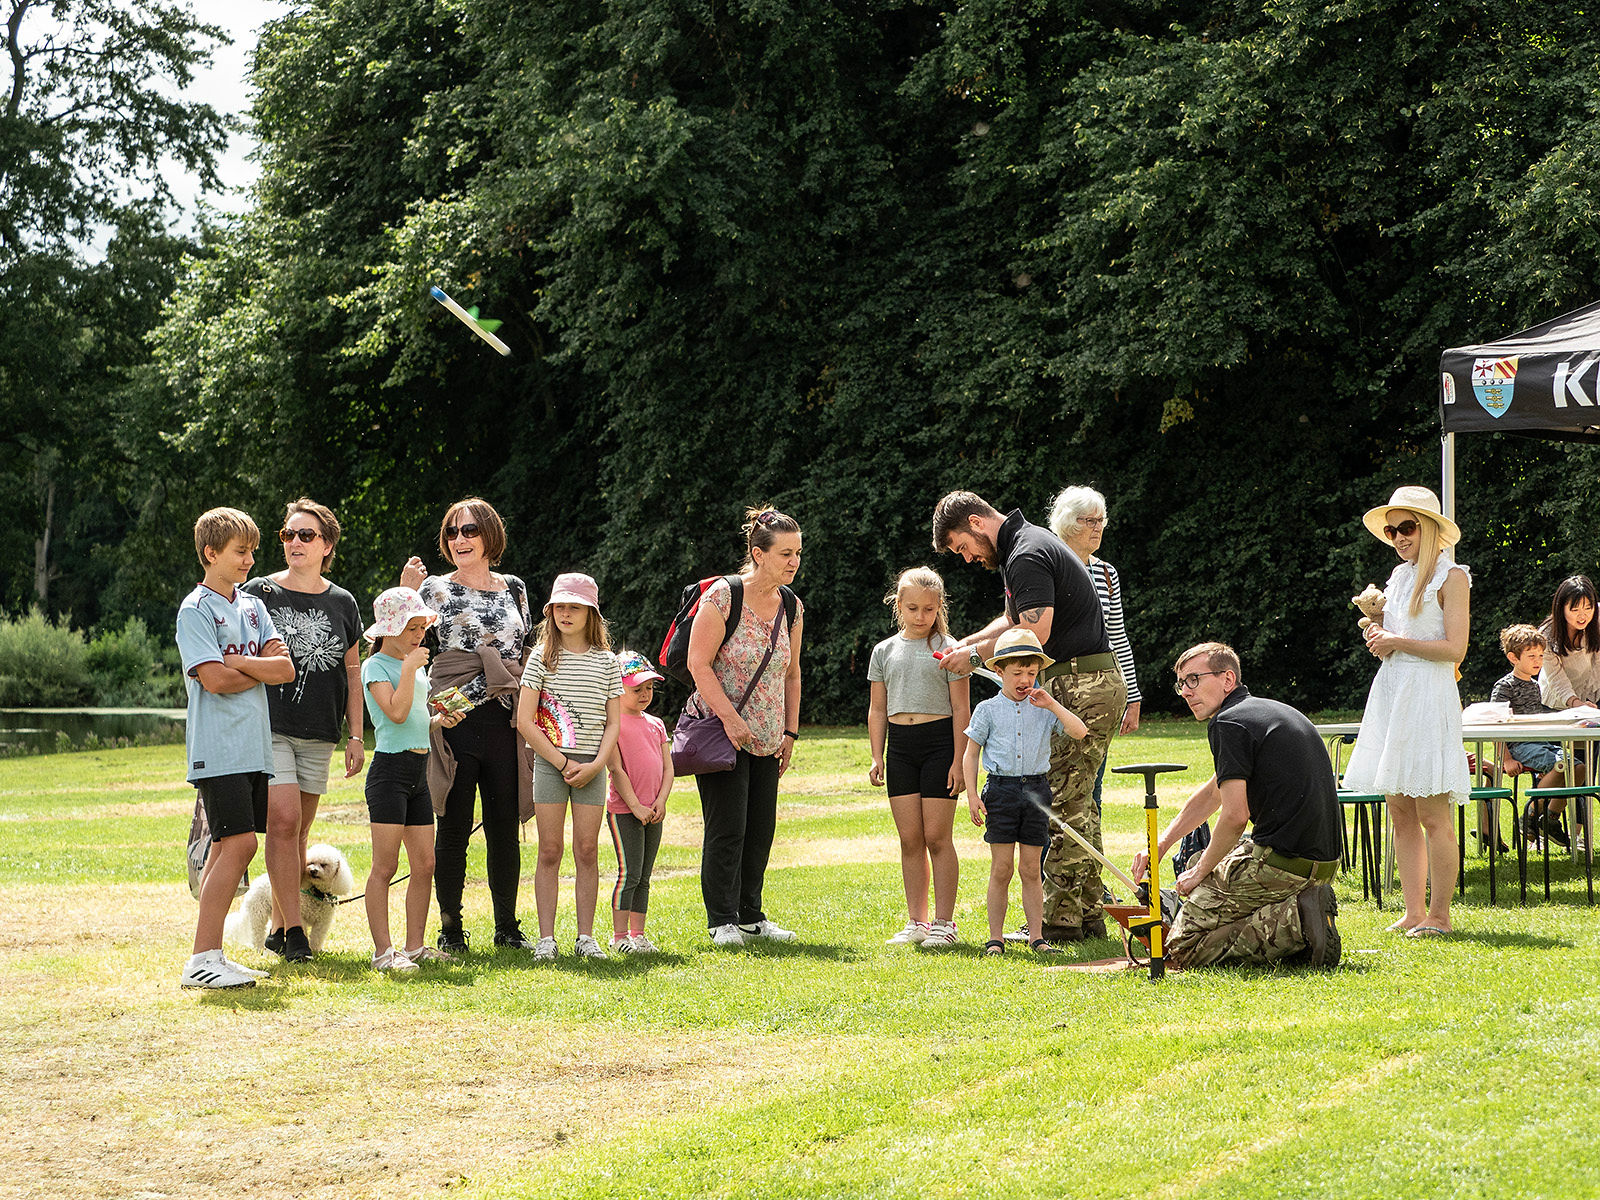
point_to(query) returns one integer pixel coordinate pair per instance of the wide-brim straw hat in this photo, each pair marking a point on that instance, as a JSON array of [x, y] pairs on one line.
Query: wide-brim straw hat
[[1018, 643], [1420, 500]]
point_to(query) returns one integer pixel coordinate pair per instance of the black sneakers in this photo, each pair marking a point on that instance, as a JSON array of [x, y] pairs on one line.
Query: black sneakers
[[453, 941], [274, 941], [295, 946], [1318, 907], [513, 938]]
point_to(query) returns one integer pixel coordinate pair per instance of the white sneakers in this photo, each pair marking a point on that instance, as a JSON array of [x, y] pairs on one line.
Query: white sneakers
[[766, 929], [727, 936], [393, 960], [210, 969], [586, 947], [633, 943], [941, 936], [424, 954], [545, 949], [911, 935]]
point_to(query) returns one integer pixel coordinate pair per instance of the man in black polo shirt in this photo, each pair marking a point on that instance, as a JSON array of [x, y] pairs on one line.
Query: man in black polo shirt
[[1264, 897], [1048, 590]]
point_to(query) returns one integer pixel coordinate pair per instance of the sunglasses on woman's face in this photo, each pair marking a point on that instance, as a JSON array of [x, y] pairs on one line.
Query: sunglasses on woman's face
[[1404, 529], [305, 535], [451, 532]]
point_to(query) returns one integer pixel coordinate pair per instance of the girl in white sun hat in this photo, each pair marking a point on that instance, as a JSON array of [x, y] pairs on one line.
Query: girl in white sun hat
[[1409, 747], [398, 805]]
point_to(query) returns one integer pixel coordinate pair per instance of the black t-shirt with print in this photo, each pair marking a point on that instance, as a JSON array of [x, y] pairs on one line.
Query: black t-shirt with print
[[319, 629]]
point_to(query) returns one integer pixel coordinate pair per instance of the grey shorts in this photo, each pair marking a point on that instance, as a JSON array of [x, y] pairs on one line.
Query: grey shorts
[[550, 788], [302, 761]]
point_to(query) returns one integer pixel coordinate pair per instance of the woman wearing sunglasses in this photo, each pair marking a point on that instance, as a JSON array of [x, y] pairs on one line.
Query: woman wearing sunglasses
[[1409, 747], [321, 625], [484, 631]]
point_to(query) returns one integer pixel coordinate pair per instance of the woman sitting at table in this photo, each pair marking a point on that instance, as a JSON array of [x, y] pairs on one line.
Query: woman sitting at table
[[1409, 747], [1570, 676]]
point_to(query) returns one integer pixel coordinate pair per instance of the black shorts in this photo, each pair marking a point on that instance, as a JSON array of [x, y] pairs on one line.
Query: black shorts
[[1018, 808], [917, 759], [397, 789], [234, 804]]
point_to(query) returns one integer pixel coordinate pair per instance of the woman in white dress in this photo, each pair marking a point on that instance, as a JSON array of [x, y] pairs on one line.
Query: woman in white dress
[[1409, 747]]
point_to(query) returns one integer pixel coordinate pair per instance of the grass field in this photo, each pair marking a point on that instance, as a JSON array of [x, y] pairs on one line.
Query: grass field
[[834, 1067]]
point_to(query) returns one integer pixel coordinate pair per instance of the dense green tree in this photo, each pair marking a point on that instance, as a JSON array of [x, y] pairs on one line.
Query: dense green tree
[[845, 258], [87, 117]]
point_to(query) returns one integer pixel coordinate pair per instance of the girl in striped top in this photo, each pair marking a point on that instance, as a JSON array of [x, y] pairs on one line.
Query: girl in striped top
[[569, 711]]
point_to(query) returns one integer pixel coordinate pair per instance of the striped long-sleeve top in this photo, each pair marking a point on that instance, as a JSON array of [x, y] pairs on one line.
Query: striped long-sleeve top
[[1108, 586]]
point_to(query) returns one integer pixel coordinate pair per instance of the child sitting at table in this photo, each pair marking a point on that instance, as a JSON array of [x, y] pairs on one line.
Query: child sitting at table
[[1524, 646]]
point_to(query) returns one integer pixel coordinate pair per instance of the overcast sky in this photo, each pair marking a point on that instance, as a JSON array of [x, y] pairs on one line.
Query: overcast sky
[[225, 86]]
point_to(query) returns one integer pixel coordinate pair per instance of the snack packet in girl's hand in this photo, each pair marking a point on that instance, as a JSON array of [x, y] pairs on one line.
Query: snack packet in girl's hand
[[451, 700]]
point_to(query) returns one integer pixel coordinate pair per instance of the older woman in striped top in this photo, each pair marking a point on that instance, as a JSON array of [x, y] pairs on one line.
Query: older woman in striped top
[[1078, 518]]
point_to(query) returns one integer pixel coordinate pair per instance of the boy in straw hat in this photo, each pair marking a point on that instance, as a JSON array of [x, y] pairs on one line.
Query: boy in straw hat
[[1011, 732]]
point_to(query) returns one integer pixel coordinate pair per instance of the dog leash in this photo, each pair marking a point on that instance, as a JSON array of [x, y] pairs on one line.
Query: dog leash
[[392, 882]]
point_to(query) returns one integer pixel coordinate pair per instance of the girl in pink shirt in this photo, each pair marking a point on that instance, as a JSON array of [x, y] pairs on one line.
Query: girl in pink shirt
[[641, 777]]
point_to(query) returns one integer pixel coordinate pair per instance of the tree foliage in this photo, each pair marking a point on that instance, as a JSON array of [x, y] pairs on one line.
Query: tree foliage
[[847, 257], [87, 118]]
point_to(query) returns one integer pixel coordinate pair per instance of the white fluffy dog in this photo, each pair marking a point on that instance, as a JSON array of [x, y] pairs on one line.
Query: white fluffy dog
[[327, 876]]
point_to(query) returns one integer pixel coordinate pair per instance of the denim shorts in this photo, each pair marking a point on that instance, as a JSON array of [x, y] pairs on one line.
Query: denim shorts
[[1018, 808], [1538, 757], [551, 787]]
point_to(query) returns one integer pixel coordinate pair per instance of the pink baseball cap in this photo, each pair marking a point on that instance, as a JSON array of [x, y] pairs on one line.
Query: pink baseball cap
[[574, 588], [395, 609], [636, 669]]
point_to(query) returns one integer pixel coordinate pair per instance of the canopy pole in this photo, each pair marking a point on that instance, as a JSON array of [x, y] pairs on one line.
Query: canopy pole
[[1447, 488]]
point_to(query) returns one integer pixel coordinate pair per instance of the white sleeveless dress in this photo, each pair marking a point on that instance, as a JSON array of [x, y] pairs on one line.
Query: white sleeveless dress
[[1410, 739]]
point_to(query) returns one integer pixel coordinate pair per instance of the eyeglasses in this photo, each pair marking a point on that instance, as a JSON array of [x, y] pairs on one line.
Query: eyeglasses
[[469, 530], [305, 535], [1404, 529], [1092, 522], [1189, 682]]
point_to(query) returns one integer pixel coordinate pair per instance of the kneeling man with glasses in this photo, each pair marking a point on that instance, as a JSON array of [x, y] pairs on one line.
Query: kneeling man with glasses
[[1266, 896]]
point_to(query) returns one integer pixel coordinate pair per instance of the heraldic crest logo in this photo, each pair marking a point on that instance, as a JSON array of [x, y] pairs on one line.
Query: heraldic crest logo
[[1493, 381]]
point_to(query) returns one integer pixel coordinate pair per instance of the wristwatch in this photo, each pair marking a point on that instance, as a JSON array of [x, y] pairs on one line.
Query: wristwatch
[[975, 658]]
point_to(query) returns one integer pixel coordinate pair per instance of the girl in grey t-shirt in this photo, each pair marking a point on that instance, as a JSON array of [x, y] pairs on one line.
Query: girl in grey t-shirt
[[914, 721]]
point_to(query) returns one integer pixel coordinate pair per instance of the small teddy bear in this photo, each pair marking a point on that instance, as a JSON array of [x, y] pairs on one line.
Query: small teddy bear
[[1371, 603]]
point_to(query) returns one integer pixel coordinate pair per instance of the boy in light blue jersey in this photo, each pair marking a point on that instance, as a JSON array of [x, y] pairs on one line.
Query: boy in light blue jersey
[[1012, 732], [230, 649]]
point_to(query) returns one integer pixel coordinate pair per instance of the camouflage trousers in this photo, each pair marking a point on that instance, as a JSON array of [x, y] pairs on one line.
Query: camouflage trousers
[[1072, 884], [1243, 911]]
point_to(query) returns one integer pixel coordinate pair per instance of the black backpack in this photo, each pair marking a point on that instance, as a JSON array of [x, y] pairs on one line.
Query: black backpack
[[673, 660]]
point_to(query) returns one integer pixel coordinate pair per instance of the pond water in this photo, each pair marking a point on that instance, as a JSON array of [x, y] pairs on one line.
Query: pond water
[[35, 730]]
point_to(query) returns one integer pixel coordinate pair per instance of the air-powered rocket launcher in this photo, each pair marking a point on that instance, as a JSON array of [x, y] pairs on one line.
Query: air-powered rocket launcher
[[1143, 920]]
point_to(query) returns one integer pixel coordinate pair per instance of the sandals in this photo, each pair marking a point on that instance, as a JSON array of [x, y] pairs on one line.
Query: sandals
[[994, 946], [1040, 946]]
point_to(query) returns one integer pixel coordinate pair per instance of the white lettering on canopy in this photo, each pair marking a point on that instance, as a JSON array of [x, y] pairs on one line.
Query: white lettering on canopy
[[1568, 382]]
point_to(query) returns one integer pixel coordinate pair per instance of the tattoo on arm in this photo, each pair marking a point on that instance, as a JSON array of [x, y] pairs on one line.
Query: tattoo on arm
[[1030, 616]]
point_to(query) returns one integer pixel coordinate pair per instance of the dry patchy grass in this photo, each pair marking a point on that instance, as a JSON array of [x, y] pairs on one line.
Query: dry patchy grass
[[120, 1085]]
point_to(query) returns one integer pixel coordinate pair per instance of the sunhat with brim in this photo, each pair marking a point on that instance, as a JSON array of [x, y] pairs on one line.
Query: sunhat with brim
[[1018, 643], [396, 608], [573, 588], [636, 669], [1417, 499]]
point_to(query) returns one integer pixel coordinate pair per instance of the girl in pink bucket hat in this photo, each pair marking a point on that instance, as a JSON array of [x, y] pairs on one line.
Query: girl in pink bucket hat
[[569, 711]]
